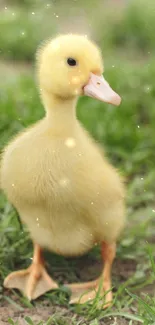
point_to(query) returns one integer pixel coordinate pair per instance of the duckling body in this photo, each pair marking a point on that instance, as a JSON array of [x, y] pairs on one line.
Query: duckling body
[[57, 183], [57, 177]]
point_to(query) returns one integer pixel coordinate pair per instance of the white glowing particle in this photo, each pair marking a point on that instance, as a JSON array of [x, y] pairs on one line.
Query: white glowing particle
[[33, 13], [138, 126], [64, 182], [70, 142], [56, 46], [13, 184], [76, 91], [75, 80]]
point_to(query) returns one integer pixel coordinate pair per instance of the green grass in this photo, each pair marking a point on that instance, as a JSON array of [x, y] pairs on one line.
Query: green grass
[[21, 33], [136, 28], [23, 28], [128, 136]]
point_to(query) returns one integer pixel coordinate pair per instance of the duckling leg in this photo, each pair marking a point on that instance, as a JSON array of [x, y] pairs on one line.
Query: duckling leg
[[34, 281], [101, 285]]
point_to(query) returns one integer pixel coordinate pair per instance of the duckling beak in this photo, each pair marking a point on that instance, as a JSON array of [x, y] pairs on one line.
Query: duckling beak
[[99, 88]]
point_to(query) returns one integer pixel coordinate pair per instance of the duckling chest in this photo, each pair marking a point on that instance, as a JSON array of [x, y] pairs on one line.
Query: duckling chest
[[66, 169], [54, 169], [54, 182]]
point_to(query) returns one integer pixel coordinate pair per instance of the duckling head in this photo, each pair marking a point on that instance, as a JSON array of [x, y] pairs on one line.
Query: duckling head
[[72, 65]]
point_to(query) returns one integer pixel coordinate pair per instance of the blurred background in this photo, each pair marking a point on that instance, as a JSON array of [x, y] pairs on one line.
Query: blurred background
[[125, 30]]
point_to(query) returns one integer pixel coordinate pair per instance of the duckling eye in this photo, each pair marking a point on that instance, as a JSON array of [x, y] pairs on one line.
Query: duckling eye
[[72, 62]]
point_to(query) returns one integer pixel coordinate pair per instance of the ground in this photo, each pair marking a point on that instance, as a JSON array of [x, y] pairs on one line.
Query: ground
[[127, 134], [37, 314], [56, 307]]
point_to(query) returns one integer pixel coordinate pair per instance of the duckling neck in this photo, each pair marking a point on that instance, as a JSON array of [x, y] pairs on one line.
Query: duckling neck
[[60, 113]]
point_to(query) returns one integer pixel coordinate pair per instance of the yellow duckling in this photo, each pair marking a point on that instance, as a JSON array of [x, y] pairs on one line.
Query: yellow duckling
[[55, 175]]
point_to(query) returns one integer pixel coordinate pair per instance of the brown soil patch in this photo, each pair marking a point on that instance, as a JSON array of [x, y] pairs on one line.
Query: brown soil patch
[[63, 315], [86, 268]]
